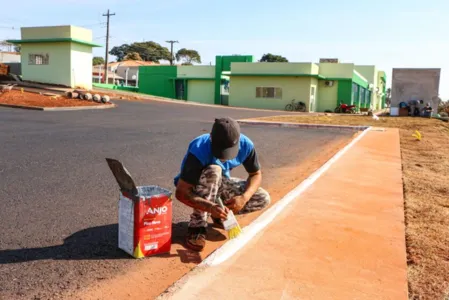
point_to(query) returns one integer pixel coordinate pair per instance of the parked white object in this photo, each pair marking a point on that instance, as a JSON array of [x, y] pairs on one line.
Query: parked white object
[[394, 111]]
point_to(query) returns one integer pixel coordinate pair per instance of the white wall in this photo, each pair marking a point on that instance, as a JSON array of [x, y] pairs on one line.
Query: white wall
[[8, 57], [81, 66], [415, 84]]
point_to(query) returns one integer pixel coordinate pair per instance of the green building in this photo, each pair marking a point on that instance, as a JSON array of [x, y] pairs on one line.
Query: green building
[[239, 81]]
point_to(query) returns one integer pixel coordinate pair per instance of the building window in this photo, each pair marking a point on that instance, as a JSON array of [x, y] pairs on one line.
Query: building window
[[269, 92], [368, 98], [355, 93], [362, 96], [38, 59]]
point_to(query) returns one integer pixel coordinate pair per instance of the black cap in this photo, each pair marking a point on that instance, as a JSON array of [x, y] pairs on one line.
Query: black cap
[[225, 138]]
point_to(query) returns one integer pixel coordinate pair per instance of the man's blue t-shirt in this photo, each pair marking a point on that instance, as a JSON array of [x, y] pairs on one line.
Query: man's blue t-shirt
[[199, 155]]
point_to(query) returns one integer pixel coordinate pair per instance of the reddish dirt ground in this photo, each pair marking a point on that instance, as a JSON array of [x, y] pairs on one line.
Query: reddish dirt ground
[[425, 167], [36, 100], [332, 242], [138, 283]]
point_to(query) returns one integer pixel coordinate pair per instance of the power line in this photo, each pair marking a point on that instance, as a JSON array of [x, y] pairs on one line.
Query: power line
[[108, 15], [9, 27], [92, 25], [171, 51]]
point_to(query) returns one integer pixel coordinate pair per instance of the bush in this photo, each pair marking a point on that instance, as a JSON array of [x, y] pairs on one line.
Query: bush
[[443, 107]]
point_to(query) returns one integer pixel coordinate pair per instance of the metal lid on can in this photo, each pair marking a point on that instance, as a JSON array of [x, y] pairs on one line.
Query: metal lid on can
[[121, 174]]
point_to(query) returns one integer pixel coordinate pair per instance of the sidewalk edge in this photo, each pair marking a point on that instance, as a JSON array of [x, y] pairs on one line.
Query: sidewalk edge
[[228, 249], [60, 108], [302, 125]]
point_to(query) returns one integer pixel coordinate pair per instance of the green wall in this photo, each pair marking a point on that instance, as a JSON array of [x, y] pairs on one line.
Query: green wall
[[57, 71], [201, 91], [158, 80], [274, 68], [243, 91], [223, 63], [116, 87], [327, 96], [344, 94], [359, 80]]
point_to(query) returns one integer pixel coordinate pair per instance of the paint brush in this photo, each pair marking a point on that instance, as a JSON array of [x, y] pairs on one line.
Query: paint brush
[[230, 224]]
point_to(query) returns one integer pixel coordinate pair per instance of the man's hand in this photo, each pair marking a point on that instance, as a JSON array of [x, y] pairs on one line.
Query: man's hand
[[219, 213], [237, 203]]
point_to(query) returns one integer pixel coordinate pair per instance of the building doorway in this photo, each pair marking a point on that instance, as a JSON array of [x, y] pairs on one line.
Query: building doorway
[[312, 98], [180, 89]]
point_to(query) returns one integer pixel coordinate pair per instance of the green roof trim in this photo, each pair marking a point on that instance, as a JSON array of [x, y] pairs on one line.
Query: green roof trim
[[338, 78], [276, 75], [358, 79], [54, 40]]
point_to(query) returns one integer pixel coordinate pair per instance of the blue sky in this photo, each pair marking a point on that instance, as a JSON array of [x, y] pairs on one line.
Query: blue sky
[[394, 33]]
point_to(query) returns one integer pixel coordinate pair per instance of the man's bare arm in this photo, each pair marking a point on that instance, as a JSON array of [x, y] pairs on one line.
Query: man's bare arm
[[184, 193], [252, 184]]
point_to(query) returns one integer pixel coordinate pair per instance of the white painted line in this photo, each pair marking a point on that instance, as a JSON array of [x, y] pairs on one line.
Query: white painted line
[[302, 125], [232, 246]]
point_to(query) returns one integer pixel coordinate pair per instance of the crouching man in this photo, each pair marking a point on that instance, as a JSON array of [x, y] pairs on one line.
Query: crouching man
[[205, 175]]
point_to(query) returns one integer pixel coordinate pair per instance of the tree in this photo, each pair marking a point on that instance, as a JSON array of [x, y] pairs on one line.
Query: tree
[[151, 51], [17, 48], [443, 108], [272, 58], [188, 56], [132, 56], [120, 51], [148, 51], [97, 60]]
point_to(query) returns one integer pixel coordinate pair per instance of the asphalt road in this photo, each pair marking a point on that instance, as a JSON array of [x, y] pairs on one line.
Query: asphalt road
[[58, 198]]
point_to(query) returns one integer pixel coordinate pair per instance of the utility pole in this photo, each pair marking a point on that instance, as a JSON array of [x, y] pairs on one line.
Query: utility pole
[[171, 51], [107, 47]]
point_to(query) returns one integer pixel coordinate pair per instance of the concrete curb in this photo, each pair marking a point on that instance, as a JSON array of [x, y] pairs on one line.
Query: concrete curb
[[79, 107], [21, 106], [69, 108], [303, 125], [228, 249]]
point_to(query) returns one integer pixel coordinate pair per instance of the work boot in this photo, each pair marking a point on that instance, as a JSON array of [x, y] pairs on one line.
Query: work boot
[[196, 238]]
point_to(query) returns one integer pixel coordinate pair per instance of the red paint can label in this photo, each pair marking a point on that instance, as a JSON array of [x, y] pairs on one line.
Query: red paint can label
[[145, 222]]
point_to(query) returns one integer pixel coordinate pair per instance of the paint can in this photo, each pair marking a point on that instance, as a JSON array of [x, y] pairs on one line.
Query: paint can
[[145, 215]]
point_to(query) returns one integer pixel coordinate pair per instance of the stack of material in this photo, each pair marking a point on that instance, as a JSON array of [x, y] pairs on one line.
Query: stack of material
[[403, 111], [4, 69]]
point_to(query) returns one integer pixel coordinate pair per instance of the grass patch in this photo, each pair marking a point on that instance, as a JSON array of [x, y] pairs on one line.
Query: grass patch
[[425, 167]]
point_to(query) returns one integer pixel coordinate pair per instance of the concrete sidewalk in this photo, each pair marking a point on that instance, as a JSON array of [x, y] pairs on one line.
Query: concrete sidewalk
[[343, 238]]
